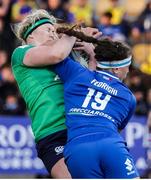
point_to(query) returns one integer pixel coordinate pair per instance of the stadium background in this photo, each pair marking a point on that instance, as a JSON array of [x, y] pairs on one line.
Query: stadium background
[[126, 20]]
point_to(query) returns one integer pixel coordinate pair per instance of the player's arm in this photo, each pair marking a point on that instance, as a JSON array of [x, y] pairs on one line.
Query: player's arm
[[89, 50], [49, 54], [89, 47]]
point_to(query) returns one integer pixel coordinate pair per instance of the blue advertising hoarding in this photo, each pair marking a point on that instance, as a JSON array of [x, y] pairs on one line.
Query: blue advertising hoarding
[[17, 147]]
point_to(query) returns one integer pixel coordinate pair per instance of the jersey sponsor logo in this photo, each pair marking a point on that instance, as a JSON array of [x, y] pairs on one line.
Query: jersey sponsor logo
[[56, 78], [129, 167], [59, 149], [88, 112]]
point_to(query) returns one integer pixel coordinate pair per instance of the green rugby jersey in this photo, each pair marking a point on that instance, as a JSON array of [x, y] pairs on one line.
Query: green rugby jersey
[[42, 92]]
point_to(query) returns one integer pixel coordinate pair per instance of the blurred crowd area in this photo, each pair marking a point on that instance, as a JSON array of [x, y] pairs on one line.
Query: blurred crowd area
[[124, 20]]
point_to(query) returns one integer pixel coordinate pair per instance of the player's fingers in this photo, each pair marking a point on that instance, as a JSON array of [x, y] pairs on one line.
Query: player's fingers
[[79, 48], [90, 31], [95, 30], [78, 43], [97, 35]]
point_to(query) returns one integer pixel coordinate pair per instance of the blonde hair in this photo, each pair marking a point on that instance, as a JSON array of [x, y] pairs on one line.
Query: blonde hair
[[30, 20]]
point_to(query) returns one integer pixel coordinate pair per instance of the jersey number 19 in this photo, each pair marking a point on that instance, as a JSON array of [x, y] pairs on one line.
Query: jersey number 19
[[98, 103]]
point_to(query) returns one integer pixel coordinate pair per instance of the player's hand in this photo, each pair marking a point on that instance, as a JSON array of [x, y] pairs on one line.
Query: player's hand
[[93, 32], [84, 46]]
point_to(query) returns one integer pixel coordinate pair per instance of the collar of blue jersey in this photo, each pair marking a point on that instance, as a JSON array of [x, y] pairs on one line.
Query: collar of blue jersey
[[114, 64], [110, 74]]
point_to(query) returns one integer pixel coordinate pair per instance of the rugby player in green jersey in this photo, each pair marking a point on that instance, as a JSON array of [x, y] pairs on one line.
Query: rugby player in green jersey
[[41, 87]]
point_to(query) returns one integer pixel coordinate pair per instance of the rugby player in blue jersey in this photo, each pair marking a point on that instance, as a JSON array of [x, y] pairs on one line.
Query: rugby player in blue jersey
[[97, 106]]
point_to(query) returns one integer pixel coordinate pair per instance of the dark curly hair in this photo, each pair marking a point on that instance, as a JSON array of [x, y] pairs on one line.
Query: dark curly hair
[[105, 49], [108, 50]]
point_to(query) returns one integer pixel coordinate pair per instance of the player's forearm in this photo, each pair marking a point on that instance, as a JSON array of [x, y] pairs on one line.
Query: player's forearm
[[63, 47], [92, 60], [92, 63], [50, 53]]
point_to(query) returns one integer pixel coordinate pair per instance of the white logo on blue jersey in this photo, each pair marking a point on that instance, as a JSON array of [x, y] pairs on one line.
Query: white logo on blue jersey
[[105, 86], [88, 112], [129, 166]]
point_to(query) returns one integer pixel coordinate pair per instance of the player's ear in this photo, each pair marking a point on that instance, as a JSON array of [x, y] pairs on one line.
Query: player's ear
[[31, 37], [115, 71]]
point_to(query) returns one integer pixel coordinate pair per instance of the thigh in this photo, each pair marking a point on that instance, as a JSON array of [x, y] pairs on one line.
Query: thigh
[[50, 149], [60, 171], [116, 160]]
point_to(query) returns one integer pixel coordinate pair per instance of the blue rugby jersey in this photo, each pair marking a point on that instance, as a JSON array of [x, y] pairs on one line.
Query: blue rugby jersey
[[94, 101]]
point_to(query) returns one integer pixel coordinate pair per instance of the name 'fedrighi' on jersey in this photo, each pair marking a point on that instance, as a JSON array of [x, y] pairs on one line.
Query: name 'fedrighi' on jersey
[[90, 94]]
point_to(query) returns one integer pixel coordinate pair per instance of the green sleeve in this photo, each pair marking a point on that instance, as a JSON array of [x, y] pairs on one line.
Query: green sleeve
[[18, 55]]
